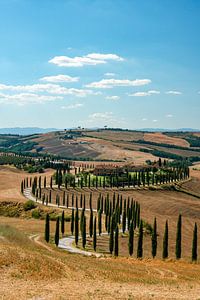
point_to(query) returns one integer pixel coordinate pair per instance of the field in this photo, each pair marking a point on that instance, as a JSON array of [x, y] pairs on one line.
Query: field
[[108, 145], [37, 270]]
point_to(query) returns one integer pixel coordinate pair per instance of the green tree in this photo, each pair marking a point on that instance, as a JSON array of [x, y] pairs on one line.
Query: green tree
[[47, 228], [84, 232], [95, 234], [111, 239], [100, 221], [116, 247], [140, 241], [131, 239], [154, 239], [91, 223], [76, 226], [57, 232], [165, 242], [72, 222], [194, 243], [179, 237], [124, 221], [63, 222]]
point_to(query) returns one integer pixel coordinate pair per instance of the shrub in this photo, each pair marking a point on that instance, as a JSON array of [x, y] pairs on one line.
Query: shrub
[[36, 214], [29, 205]]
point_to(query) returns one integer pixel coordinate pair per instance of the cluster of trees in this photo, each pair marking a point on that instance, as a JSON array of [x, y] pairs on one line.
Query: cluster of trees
[[78, 227]]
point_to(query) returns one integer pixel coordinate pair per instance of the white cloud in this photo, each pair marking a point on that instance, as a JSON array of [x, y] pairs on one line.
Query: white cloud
[[173, 93], [154, 120], [72, 106], [25, 98], [59, 78], [169, 116], [105, 118], [80, 61], [48, 88], [144, 94], [110, 83], [98, 116], [114, 98], [144, 119], [109, 74]]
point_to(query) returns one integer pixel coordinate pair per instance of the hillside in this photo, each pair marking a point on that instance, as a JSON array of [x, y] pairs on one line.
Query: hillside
[[107, 145]]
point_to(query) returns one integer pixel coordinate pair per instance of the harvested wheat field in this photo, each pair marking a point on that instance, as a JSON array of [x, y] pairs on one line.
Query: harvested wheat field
[[10, 180], [159, 137]]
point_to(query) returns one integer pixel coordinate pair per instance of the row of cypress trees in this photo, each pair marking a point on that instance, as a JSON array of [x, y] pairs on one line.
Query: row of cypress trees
[[79, 225]]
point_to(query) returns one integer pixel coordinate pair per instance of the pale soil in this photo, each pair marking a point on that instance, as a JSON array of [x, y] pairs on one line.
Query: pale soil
[[159, 137]]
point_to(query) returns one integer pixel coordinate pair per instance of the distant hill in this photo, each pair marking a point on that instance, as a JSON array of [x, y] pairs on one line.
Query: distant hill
[[169, 130], [26, 130]]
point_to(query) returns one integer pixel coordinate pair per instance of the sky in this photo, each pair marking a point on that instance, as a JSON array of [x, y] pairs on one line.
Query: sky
[[93, 63]]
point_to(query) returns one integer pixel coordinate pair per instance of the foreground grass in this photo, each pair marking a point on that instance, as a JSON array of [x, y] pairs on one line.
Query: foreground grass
[[37, 269]]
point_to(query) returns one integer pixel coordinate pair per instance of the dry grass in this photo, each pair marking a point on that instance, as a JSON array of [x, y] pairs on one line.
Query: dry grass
[[159, 137], [10, 180]]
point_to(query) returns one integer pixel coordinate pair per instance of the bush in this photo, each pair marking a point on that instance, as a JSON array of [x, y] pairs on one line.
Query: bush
[[36, 214], [29, 205]]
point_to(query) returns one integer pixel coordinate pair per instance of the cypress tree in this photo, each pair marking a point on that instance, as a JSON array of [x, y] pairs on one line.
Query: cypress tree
[[116, 247], [91, 223], [111, 239], [47, 228], [154, 239], [57, 231], [165, 242], [124, 221], [90, 201], [22, 187], [51, 182], [82, 217], [131, 239], [76, 226], [72, 222], [84, 232], [95, 234], [194, 243], [63, 222], [178, 237], [45, 182], [99, 222], [140, 241]]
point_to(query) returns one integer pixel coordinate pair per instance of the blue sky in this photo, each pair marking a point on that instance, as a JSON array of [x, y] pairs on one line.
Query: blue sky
[[121, 63]]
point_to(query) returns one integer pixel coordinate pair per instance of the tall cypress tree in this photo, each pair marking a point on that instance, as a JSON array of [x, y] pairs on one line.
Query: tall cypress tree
[[154, 239], [63, 222], [165, 242], [111, 239], [178, 237], [82, 217], [116, 247], [84, 232], [100, 221], [47, 228], [72, 222], [140, 241], [57, 232], [124, 221], [76, 226], [131, 239], [95, 234], [194, 243], [91, 223]]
